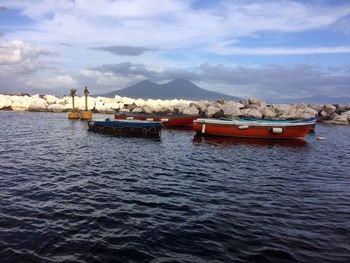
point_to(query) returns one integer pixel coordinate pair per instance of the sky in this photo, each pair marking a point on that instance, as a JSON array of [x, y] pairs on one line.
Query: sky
[[265, 49]]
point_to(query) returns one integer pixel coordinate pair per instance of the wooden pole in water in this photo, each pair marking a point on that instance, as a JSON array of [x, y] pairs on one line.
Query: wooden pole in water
[[86, 92], [86, 115], [73, 114]]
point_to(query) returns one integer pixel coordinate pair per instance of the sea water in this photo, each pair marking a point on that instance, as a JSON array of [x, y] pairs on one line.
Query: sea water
[[69, 195]]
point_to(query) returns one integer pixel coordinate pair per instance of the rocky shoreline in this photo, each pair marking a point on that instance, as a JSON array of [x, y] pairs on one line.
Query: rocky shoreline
[[327, 113]]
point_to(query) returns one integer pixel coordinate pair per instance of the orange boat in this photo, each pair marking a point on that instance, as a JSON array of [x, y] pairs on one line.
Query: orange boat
[[168, 120], [253, 129]]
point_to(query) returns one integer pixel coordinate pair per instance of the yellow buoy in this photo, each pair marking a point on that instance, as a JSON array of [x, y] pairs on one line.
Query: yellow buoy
[[73, 114], [86, 114]]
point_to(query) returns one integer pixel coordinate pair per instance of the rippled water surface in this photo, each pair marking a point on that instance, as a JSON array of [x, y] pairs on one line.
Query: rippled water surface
[[68, 195]]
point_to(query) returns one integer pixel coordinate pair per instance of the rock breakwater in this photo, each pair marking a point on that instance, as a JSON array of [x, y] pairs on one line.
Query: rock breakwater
[[327, 113]]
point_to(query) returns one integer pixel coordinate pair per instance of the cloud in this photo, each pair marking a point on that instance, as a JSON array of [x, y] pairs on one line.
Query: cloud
[[271, 81], [170, 23], [125, 50], [283, 50], [66, 44], [18, 57]]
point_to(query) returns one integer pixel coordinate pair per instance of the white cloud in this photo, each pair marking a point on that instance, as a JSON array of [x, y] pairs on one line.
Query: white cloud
[[167, 23], [165, 26], [282, 50], [18, 57]]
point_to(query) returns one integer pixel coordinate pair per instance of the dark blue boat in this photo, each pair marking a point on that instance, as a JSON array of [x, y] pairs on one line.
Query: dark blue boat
[[126, 127]]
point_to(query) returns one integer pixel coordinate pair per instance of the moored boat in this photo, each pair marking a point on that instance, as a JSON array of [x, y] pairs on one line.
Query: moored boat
[[253, 129], [126, 127], [168, 120], [262, 119]]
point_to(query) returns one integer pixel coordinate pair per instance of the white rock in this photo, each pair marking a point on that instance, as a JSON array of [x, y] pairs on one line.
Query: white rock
[[62, 101], [99, 104], [232, 109], [211, 110], [79, 103], [309, 113], [124, 110], [347, 113], [137, 110], [56, 108], [255, 113], [121, 105], [148, 109], [140, 103], [328, 109], [318, 108], [202, 105], [118, 98], [293, 114], [245, 111], [38, 104], [339, 120], [20, 103], [300, 106], [113, 105], [268, 113], [191, 111], [254, 101], [5, 101], [127, 100], [180, 107], [281, 109], [152, 104], [105, 109], [50, 99]]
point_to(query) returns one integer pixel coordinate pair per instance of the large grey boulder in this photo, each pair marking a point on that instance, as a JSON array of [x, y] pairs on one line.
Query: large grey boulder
[[308, 113], [281, 109], [202, 105], [180, 107], [318, 107], [328, 110], [255, 113], [268, 112], [254, 101], [232, 109], [211, 111], [339, 120], [347, 113], [191, 111]]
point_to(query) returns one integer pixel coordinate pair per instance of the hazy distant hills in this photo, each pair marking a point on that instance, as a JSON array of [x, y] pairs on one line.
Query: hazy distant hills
[[176, 89]]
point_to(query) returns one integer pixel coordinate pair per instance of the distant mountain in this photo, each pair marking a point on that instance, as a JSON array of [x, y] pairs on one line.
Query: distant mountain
[[317, 99], [176, 89]]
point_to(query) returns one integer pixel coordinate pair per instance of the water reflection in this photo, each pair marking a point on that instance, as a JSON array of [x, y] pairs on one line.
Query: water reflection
[[234, 141]]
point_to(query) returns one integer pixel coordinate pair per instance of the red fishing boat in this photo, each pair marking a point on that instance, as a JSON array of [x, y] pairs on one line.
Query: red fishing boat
[[168, 120], [253, 129]]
